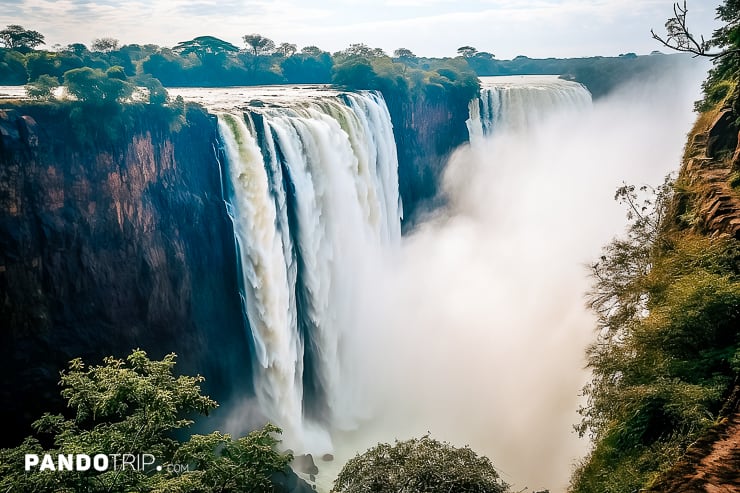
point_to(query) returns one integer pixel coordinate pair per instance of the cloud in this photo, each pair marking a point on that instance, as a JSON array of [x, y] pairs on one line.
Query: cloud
[[428, 27]]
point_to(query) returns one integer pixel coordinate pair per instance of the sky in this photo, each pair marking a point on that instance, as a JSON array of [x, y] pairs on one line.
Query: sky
[[506, 28]]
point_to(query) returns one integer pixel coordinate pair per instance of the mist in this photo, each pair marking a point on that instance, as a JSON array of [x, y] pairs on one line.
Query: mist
[[475, 329]]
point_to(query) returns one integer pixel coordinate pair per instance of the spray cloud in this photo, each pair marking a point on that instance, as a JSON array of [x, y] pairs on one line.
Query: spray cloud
[[475, 331]]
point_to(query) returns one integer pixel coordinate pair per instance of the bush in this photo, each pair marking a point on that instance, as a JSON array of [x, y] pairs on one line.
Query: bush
[[42, 88], [422, 464], [97, 87]]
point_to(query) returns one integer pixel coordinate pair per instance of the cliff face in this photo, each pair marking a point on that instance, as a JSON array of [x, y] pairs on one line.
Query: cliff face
[[108, 247], [710, 172], [427, 130], [710, 204], [114, 235]]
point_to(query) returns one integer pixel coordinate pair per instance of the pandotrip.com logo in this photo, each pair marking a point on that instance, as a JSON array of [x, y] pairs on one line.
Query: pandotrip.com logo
[[145, 463]]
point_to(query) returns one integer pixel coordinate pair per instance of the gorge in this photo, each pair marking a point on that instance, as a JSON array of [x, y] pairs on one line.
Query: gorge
[[230, 240]]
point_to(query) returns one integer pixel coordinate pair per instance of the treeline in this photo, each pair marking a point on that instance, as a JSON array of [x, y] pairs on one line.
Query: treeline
[[600, 74], [207, 61]]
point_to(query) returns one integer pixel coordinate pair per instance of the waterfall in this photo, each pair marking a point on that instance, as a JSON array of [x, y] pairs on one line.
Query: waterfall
[[517, 102], [311, 185]]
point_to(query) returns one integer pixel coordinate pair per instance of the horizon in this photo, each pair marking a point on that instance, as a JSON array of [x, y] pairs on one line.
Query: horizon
[[429, 28]]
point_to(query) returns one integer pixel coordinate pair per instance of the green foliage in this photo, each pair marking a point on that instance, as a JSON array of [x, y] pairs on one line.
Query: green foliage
[[286, 49], [419, 465], [308, 67], [224, 464], [726, 68], [16, 37], [452, 80], [157, 94], [467, 51], [205, 46], [404, 53], [132, 406], [12, 68], [260, 45], [735, 180], [358, 50], [668, 305], [42, 88], [97, 87], [105, 45]]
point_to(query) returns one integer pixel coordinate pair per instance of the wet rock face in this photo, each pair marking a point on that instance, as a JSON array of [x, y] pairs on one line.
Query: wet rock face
[[105, 247], [427, 131]]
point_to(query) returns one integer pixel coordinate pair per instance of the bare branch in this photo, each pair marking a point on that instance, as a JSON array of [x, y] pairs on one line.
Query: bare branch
[[679, 38]]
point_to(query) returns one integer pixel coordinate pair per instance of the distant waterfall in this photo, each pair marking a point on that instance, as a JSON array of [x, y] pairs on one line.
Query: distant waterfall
[[311, 186], [518, 102]]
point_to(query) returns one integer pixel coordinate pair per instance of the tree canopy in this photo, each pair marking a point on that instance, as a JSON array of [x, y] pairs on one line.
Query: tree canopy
[[419, 465], [467, 51], [98, 87], [105, 45], [403, 53], [133, 406], [16, 37], [286, 49], [202, 46], [258, 44]]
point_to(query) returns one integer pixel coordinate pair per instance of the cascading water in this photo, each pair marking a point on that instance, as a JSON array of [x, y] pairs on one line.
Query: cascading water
[[517, 102], [312, 189]]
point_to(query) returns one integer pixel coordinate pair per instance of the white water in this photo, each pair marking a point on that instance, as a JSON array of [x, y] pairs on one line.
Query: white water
[[327, 160], [479, 330], [475, 331], [518, 103]]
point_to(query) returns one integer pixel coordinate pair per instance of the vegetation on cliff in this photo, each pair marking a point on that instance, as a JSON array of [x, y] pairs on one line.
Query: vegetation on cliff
[[125, 409], [667, 296]]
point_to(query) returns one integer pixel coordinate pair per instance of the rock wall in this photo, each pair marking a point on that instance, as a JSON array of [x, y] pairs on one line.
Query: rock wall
[[111, 244], [710, 171], [427, 131], [113, 236]]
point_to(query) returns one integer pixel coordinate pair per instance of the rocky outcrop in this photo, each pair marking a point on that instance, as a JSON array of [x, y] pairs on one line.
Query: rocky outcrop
[[111, 244], [713, 160]]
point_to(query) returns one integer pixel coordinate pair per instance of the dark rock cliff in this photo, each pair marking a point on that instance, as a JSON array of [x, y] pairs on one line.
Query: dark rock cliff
[[427, 131], [105, 247], [113, 235]]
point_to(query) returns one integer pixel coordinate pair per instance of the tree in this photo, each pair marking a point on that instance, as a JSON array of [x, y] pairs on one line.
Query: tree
[[77, 49], [419, 465], [42, 88], [223, 464], [467, 51], [133, 406], [105, 45], [360, 50], [679, 38], [204, 46], [16, 37], [156, 92], [312, 50], [98, 87], [258, 44], [286, 49], [403, 53]]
